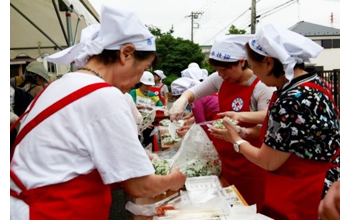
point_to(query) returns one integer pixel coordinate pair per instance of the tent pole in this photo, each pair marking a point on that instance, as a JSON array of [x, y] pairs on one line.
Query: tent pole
[[69, 31]]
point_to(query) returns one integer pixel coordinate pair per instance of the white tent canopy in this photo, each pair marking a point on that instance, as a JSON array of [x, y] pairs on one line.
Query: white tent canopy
[[41, 27]]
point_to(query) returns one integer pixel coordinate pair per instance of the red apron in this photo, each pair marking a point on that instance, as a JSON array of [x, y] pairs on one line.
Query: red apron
[[159, 114], [294, 190], [83, 197], [157, 91], [237, 169]]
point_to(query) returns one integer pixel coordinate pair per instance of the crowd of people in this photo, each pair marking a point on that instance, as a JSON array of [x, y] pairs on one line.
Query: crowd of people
[[79, 136]]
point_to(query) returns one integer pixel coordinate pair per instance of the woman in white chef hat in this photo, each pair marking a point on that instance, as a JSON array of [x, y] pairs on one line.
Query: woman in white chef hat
[[79, 136], [239, 90], [195, 72], [300, 135]]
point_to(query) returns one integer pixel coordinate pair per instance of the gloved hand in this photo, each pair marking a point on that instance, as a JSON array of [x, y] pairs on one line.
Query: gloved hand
[[243, 132], [177, 110]]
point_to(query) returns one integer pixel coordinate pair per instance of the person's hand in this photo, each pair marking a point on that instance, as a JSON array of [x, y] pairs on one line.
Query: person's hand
[[189, 121], [177, 110], [149, 107], [329, 207], [229, 134], [188, 116], [243, 132], [179, 178], [220, 133], [181, 131], [231, 114], [150, 126]]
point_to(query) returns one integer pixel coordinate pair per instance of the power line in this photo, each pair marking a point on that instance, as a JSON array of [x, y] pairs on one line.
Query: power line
[[229, 24], [267, 13]]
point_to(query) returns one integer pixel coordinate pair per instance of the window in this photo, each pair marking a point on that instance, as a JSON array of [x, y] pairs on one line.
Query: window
[[336, 43], [51, 67], [326, 43]]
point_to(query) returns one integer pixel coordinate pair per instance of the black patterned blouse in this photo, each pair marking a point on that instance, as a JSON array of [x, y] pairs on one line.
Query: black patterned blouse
[[303, 121]]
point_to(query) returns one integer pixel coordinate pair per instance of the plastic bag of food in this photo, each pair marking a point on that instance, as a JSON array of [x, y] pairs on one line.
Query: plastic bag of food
[[148, 118], [197, 155]]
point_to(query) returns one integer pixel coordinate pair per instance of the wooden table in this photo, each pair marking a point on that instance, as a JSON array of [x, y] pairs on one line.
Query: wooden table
[[163, 130]]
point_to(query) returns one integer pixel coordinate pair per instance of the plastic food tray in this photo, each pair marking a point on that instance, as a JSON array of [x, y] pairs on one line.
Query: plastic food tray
[[202, 189], [203, 183]]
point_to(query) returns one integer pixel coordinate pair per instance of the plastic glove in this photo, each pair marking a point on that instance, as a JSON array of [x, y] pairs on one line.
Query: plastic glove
[[243, 132], [177, 110]]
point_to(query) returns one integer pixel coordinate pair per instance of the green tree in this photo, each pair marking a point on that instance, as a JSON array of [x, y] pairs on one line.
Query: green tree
[[175, 54], [234, 30]]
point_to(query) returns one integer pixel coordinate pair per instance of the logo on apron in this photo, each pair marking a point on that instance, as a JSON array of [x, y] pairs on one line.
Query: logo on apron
[[237, 104]]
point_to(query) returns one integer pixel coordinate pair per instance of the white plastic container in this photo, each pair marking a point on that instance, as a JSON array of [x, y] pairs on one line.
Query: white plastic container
[[203, 183], [204, 188]]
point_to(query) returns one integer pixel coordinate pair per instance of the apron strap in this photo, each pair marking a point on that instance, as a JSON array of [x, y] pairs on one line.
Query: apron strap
[[29, 108], [53, 109]]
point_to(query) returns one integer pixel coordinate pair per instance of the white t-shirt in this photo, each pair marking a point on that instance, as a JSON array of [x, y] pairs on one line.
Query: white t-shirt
[[96, 131], [136, 114], [259, 99]]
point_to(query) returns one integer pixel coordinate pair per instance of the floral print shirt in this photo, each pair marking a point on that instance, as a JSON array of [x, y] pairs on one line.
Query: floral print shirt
[[303, 121]]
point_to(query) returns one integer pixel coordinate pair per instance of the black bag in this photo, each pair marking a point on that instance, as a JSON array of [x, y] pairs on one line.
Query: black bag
[[22, 99]]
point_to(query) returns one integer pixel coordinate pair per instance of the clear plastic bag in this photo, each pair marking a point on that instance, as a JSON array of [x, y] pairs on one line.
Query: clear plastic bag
[[197, 155], [148, 118]]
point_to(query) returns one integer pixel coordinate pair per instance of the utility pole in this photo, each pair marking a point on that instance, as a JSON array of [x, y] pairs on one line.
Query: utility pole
[[194, 15], [253, 17]]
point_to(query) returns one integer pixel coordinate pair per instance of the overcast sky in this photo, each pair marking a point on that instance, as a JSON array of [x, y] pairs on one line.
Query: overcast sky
[[218, 15]]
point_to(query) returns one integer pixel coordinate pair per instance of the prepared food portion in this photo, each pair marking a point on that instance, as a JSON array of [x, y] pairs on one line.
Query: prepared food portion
[[162, 166], [219, 124], [165, 122]]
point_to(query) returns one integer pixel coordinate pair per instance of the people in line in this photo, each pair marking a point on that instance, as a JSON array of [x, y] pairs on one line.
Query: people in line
[[300, 137], [142, 96], [239, 90], [160, 88], [202, 110], [36, 78], [145, 101], [85, 137], [18, 81]]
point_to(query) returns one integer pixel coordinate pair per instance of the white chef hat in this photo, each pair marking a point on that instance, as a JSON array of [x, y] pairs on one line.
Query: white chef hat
[[285, 45], [160, 73], [229, 48], [195, 72], [118, 27], [180, 85]]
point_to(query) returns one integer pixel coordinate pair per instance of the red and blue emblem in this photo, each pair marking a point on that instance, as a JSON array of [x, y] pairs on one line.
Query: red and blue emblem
[[237, 104]]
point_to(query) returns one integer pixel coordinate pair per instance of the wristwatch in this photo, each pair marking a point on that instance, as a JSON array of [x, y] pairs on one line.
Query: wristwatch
[[237, 145]]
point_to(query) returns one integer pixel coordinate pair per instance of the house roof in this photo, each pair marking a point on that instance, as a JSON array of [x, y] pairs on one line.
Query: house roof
[[310, 29]]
